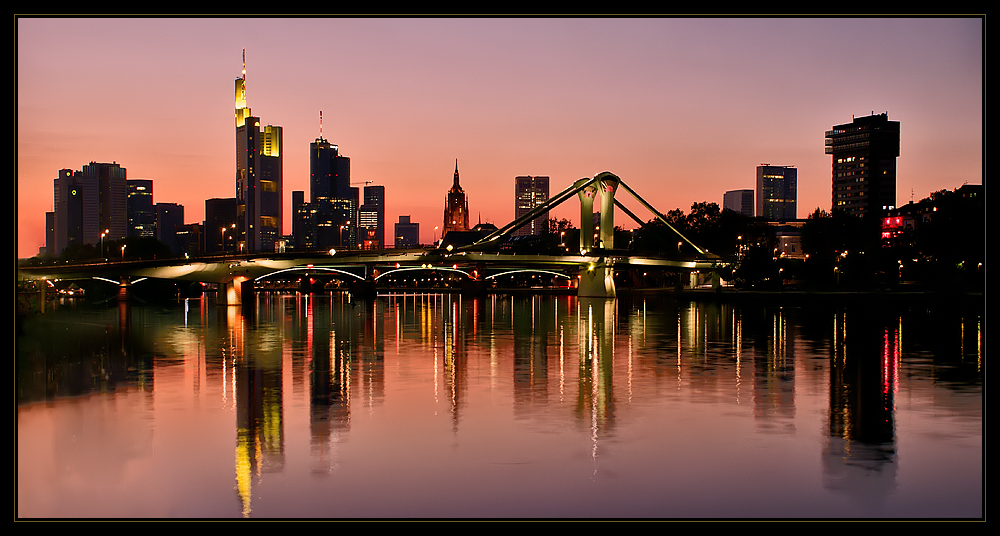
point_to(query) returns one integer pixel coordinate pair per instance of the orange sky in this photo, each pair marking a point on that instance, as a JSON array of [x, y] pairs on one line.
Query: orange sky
[[681, 109]]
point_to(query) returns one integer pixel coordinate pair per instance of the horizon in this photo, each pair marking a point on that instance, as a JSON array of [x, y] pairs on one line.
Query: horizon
[[682, 110]]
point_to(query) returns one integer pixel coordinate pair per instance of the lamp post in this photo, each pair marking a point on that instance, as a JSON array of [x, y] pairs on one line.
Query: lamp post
[[106, 231]]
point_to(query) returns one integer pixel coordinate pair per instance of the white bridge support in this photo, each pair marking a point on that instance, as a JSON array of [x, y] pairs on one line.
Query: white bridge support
[[598, 280]]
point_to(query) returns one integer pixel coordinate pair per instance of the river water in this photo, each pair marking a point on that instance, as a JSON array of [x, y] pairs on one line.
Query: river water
[[523, 406]]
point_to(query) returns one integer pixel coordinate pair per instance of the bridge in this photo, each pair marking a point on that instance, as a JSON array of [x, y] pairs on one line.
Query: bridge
[[592, 266]]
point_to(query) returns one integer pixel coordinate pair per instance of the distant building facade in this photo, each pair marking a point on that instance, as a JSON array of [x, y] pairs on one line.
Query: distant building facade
[[407, 233], [864, 154], [169, 218], [777, 192], [529, 193], [220, 235], [740, 201]]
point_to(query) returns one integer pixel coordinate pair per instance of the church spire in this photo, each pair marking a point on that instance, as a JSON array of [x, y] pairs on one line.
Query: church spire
[[456, 174]]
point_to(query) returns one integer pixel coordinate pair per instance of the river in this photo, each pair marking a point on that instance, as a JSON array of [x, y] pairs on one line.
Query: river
[[501, 406]]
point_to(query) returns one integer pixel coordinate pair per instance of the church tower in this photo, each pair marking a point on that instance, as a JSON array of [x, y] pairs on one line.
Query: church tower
[[456, 208]]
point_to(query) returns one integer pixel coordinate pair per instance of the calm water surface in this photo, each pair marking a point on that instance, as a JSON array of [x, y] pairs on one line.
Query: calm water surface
[[500, 406]]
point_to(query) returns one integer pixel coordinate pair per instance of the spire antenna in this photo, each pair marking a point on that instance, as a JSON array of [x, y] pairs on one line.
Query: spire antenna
[[244, 65], [321, 124]]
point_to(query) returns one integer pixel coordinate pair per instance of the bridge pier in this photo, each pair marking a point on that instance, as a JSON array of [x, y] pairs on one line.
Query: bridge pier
[[236, 291], [597, 282]]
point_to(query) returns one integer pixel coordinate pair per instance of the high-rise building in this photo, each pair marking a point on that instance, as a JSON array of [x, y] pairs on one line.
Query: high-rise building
[[371, 218], [258, 177], [776, 192], [334, 199], [169, 218], [88, 204], [139, 208], [740, 201], [864, 155], [407, 233], [456, 208], [531, 192]]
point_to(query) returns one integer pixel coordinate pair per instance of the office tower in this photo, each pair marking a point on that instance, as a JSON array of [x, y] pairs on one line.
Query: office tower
[[139, 208], [169, 217], [88, 204], [371, 218], [740, 201], [864, 155], [530, 192], [456, 208], [776, 192], [258, 177], [220, 233], [407, 233], [334, 199]]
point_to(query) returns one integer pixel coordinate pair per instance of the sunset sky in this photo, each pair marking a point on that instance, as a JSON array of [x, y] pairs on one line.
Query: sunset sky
[[682, 109]]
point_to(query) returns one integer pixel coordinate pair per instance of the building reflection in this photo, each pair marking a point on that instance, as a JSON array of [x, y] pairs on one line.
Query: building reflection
[[257, 378], [860, 457]]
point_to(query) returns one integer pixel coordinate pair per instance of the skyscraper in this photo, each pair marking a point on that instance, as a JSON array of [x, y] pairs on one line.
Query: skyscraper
[[258, 177], [332, 197], [456, 208], [89, 203], [531, 192], [776, 192], [740, 201], [371, 218], [139, 208], [864, 155], [169, 218]]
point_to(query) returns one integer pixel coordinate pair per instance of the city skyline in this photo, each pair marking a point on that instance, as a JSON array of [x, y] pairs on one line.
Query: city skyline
[[682, 109]]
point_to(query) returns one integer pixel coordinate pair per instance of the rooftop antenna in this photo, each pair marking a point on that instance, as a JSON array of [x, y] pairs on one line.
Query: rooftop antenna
[[244, 65], [321, 124]]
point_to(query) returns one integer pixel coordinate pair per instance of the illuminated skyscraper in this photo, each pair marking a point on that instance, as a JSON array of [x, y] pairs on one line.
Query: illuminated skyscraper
[[258, 177], [530, 192], [777, 191], [864, 164], [456, 208], [371, 218]]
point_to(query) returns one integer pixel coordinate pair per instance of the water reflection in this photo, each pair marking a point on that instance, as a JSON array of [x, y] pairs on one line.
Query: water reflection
[[331, 369]]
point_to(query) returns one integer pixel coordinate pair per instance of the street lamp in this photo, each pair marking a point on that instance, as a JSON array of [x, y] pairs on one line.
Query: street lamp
[[106, 231]]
